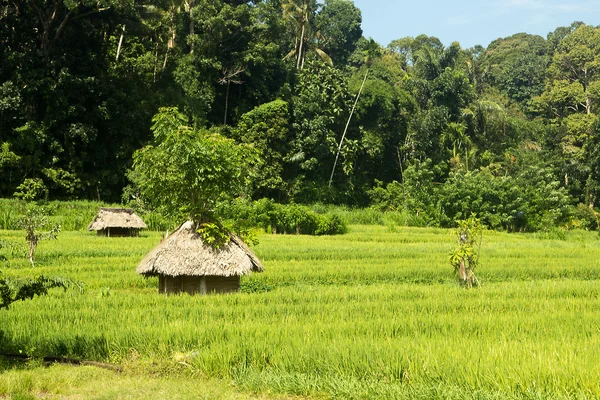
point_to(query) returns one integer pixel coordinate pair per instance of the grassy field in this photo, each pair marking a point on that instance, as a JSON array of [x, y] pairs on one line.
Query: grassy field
[[373, 314]]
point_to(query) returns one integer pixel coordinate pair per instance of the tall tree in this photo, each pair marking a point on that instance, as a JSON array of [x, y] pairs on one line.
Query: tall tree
[[517, 65], [577, 60], [300, 15], [339, 22]]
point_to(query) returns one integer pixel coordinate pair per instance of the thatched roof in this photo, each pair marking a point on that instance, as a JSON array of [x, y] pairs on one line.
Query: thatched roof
[[116, 218], [185, 253]]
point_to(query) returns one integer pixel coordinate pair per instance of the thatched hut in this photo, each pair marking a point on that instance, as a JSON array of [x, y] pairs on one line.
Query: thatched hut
[[183, 262], [117, 222]]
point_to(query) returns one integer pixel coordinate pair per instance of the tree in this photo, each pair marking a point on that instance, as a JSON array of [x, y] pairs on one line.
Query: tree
[[339, 23], [465, 257], [34, 222], [577, 60], [185, 172], [267, 129], [300, 16], [517, 65]]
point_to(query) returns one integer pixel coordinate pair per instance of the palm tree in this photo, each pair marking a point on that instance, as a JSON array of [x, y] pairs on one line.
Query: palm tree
[[298, 14], [456, 134]]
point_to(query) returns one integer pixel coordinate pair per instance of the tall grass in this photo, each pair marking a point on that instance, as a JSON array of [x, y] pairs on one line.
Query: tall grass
[[371, 314]]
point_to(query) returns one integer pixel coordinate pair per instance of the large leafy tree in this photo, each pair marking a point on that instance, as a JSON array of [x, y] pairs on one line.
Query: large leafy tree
[[186, 171], [267, 129], [577, 61], [569, 103], [339, 23], [517, 65]]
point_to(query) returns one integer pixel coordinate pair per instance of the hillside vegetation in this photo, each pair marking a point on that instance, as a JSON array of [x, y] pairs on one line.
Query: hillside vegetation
[[508, 132]]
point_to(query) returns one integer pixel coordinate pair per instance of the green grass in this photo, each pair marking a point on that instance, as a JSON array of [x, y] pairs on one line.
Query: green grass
[[373, 314], [84, 383]]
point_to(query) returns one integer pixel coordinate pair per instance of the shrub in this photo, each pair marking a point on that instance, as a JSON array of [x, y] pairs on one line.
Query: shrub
[[585, 217], [31, 189], [280, 218]]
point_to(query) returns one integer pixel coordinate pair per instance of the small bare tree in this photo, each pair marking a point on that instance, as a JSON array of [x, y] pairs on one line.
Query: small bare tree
[[230, 75], [34, 222]]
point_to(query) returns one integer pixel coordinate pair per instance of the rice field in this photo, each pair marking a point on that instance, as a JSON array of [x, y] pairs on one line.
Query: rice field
[[373, 314]]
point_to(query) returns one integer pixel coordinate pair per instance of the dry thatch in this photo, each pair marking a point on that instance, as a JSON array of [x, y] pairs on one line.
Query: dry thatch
[[116, 218], [184, 253]]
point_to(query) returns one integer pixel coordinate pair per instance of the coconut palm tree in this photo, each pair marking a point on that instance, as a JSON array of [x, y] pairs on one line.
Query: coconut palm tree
[[298, 14]]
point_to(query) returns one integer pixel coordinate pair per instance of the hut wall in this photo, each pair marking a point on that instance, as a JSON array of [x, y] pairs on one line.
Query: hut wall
[[119, 232], [198, 284], [222, 284]]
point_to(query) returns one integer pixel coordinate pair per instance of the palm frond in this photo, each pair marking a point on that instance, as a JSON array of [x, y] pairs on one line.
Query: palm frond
[[324, 56]]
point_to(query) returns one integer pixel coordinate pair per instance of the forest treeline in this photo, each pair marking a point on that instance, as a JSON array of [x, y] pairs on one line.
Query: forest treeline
[[509, 133]]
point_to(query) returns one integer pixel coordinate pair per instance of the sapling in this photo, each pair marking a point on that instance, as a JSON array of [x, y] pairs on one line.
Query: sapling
[[465, 257], [34, 222]]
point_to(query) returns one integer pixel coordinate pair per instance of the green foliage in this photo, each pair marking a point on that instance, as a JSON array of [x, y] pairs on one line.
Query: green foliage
[[185, 172], [501, 201], [507, 202], [585, 217], [517, 65], [339, 24], [320, 107], [280, 218], [12, 290], [8, 159], [32, 189], [214, 235], [465, 257], [267, 129]]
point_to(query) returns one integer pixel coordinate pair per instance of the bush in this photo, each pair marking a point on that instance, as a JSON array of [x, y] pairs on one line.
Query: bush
[[585, 217], [280, 218], [32, 189], [506, 202]]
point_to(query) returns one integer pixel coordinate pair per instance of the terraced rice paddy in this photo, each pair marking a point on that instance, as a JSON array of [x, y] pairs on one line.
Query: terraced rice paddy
[[375, 313]]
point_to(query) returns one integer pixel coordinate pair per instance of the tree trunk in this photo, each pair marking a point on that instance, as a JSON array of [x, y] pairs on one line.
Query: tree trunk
[[462, 272], [192, 26], [588, 103], [32, 246], [164, 66], [226, 103], [119, 46], [155, 63], [300, 48]]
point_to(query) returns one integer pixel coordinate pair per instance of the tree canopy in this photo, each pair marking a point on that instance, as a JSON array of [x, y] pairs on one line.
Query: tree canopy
[[80, 82]]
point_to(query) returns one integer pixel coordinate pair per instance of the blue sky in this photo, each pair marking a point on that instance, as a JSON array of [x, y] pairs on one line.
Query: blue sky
[[471, 22]]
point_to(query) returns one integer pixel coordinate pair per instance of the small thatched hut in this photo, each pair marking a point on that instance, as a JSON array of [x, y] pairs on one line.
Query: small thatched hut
[[117, 222], [184, 263]]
